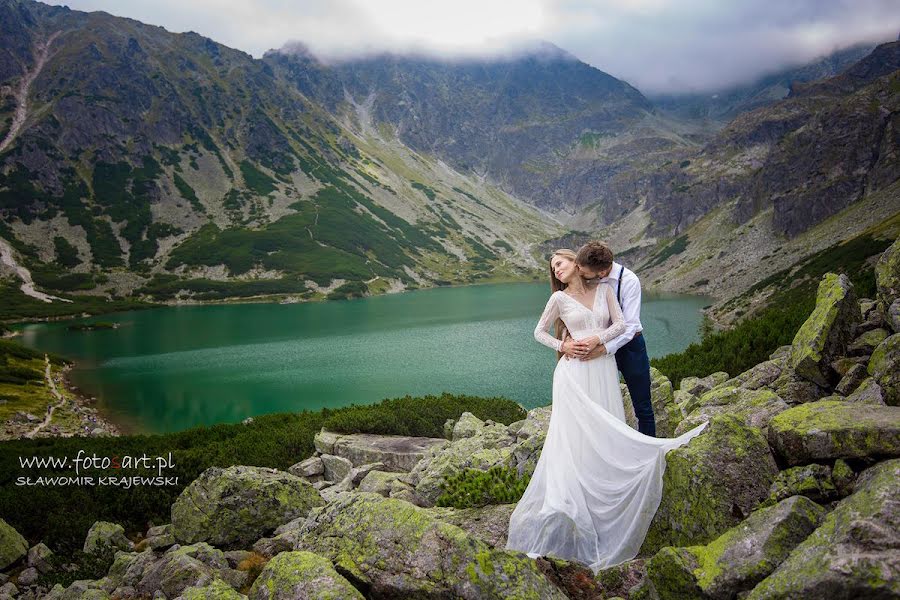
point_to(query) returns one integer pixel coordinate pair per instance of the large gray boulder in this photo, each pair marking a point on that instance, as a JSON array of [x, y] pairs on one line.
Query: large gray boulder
[[884, 367], [711, 484], [887, 278], [215, 590], [738, 559], [855, 553], [301, 576], [104, 535], [12, 545], [490, 524], [812, 481], [754, 407], [174, 571], [395, 549], [758, 376], [529, 436], [827, 332], [867, 392], [397, 452], [234, 507], [830, 429]]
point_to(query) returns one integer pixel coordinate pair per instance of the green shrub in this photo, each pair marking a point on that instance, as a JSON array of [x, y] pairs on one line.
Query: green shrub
[[472, 488], [424, 416], [256, 180]]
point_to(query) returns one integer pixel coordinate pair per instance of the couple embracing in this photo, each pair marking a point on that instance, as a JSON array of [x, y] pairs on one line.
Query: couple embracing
[[598, 482]]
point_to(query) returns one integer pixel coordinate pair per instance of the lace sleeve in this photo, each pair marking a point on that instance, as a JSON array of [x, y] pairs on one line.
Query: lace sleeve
[[548, 317], [615, 315]]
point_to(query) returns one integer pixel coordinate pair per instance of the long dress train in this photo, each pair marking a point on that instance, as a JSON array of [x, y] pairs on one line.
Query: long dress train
[[598, 482]]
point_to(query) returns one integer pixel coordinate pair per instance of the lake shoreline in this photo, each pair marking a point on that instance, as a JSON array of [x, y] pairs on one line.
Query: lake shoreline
[[169, 370]]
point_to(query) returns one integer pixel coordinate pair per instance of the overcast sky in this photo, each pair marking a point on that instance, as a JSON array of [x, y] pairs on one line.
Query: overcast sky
[[659, 46]]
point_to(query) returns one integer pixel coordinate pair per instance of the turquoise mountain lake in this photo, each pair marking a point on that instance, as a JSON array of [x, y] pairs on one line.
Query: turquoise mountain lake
[[172, 368]]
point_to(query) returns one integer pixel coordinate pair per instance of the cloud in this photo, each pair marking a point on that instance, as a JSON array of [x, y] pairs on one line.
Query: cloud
[[659, 46]]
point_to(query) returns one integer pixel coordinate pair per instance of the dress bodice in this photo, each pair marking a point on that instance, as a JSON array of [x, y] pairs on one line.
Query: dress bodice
[[604, 319]]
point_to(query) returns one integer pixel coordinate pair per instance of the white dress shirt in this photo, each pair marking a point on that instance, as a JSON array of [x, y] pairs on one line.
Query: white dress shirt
[[630, 302]]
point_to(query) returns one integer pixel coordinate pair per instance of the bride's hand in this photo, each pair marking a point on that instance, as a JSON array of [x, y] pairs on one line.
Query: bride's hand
[[586, 346]]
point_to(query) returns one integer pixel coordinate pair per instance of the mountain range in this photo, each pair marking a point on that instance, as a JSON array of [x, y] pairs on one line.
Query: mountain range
[[142, 163]]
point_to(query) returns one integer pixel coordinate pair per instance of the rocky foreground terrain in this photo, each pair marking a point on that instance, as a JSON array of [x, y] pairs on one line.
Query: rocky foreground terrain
[[793, 491]]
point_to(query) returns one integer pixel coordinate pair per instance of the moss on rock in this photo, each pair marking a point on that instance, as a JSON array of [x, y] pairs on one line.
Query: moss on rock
[[884, 367], [827, 332], [855, 553], [234, 507], [711, 484], [754, 407], [301, 576], [12, 545], [887, 277], [830, 429], [393, 548], [215, 590]]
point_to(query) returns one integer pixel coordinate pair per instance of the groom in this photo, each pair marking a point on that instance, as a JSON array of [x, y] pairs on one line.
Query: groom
[[595, 261]]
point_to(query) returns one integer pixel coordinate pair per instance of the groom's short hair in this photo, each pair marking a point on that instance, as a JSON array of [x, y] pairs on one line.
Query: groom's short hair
[[595, 255]]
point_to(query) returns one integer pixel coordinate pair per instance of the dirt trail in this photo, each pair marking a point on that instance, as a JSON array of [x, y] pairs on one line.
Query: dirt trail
[[42, 50], [52, 385]]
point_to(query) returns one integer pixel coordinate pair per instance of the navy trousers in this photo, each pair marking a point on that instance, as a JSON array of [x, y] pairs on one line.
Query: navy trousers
[[635, 368]]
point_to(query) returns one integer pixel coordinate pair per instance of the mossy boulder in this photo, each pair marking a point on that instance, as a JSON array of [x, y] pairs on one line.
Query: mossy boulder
[[893, 316], [812, 481], [215, 590], [738, 559], [700, 385], [394, 549], [530, 435], [884, 367], [830, 429], [754, 407], [794, 389], [489, 524], [103, 535], [489, 445], [827, 332], [867, 342], [234, 507], [83, 589], [711, 484], [855, 553], [854, 376], [867, 392], [12, 545], [301, 576], [887, 277], [758, 376], [666, 410], [179, 568], [468, 425], [378, 482]]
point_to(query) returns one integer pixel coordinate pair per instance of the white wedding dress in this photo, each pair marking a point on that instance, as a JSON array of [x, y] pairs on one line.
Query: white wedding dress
[[598, 482]]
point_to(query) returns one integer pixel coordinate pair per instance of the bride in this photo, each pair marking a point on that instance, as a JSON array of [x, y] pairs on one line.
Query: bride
[[598, 482]]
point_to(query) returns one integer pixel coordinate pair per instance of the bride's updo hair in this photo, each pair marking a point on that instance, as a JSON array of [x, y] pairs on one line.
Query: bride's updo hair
[[555, 286]]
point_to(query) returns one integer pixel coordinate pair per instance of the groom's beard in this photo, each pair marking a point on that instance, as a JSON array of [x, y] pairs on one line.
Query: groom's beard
[[592, 281]]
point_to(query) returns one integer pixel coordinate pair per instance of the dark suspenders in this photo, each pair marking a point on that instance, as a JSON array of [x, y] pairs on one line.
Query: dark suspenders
[[619, 288]]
